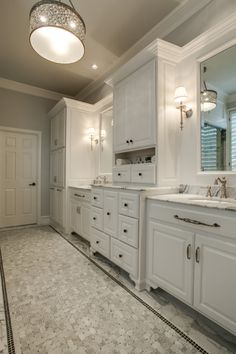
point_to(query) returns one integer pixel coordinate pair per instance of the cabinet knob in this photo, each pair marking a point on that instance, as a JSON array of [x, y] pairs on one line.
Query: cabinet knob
[[127, 141], [125, 204], [97, 242], [94, 198], [119, 174], [125, 231], [108, 213], [94, 218], [120, 255], [140, 174], [131, 141]]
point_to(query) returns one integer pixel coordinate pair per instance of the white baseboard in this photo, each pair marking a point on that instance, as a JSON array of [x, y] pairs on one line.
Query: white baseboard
[[44, 220]]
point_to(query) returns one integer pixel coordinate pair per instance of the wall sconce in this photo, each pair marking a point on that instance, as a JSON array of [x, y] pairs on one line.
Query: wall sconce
[[91, 133], [102, 137], [180, 97]]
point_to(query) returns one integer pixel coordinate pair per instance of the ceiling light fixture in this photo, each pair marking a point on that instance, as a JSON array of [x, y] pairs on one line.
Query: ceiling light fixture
[[208, 99], [57, 31]]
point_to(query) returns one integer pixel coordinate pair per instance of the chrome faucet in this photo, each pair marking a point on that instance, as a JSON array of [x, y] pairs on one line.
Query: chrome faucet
[[223, 191], [209, 192]]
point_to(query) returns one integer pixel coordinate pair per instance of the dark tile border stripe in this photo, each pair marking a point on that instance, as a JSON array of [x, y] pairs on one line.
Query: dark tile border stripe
[[150, 308], [10, 339]]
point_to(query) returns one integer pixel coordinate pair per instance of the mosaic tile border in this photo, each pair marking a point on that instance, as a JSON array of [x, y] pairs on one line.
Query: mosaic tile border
[[150, 308], [10, 338]]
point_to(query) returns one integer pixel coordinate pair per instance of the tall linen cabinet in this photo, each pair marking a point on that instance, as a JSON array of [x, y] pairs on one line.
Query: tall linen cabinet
[[72, 162]]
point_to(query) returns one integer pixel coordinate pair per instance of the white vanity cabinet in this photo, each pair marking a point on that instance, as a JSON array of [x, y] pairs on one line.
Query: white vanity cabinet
[[135, 109], [80, 210], [57, 165], [191, 253], [110, 202], [57, 197]]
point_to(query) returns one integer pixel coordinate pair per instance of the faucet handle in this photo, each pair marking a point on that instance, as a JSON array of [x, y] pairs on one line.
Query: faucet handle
[[209, 192]]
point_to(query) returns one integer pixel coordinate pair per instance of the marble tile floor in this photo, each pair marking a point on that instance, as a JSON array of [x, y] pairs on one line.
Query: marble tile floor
[[60, 303], [206, 333]]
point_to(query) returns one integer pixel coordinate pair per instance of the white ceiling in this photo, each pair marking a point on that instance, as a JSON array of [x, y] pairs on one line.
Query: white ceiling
[[113, 26]]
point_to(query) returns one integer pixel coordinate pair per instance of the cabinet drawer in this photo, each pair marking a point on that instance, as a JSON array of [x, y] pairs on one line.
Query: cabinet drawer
[[145, 173], [97, 197], [166, 211], [100, 242], [128, 230], [124, 256], [121, 173], [80, 194], [97, 218], [129, 204]]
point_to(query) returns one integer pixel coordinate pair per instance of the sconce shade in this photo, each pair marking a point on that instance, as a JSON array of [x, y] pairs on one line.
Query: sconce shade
[[91, 131], [180, 94], [57, 32]]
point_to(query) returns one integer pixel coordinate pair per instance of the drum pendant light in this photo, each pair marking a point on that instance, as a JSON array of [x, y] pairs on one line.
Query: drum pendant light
[[57, 31]]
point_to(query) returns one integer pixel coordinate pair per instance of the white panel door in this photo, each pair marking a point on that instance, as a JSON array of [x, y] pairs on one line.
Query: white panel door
[[215, 280], [170, 259], [19, 179]]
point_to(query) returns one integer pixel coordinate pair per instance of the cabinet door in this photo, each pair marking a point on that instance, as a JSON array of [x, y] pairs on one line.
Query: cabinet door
[[120, 141], [170, 259], [111, 212], [60, 167], [85, 221], [74, 215], [58, 124], [60, 206], [53, 204], [141, 107], [54, 130], [215, 280], [53, 168]]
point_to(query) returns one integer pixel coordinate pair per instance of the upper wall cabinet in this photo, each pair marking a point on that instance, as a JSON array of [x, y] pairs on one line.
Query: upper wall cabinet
[[58, 130], [135, 110]]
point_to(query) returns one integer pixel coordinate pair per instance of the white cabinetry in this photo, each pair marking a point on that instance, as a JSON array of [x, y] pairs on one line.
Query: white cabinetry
[[57, 173], [135, 110], [80, 209], [58, 130], [191, 253], [56, 205], [110, 212]]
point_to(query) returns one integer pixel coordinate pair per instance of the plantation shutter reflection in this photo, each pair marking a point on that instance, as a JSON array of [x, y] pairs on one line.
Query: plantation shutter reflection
[[233, 139]]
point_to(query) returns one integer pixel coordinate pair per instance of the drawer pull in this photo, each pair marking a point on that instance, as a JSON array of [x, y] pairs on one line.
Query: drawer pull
[[127, 141], [120, 255], [125, 204], [94, 218], [97, 242], [94, 198], [195, 222], [131, 141], [140, 174], [189, 251], [79, 195], [197, 254], [119, 174], [108, 213], [125, 231]]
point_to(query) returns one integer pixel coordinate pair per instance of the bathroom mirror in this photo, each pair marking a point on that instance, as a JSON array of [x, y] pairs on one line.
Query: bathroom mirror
[[105, 142], [218, 112]]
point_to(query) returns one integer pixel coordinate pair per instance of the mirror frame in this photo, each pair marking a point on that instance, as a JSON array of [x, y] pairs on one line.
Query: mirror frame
[[108, 174], [199, 60]]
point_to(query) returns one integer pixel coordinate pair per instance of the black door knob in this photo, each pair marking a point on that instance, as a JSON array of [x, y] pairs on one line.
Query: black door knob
[[108, 213], [140, 174], [32, 184]]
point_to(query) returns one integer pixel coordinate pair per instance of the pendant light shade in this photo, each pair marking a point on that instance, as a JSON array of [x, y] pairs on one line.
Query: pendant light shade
[[208, 99], [57, 31]]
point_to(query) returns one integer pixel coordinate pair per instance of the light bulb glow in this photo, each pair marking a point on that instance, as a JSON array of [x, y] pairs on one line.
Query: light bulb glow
[[180, 94]]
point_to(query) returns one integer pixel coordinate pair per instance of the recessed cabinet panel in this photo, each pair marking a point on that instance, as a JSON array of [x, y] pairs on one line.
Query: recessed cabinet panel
[[121, 173], [128, 230], [143, 173], [170, 259], [124, 256], [100, 242], [96, 218], [97, 197], [215, 281], [110, 212], [58, 129], [129, 204]]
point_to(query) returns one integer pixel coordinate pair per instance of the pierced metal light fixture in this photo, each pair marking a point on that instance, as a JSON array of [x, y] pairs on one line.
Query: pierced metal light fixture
[[57, 31], [208, 99]]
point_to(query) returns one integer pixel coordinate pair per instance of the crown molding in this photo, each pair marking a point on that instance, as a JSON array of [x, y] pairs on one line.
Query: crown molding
[[166, 50], [29, 89], [178, 16], [224, 28]]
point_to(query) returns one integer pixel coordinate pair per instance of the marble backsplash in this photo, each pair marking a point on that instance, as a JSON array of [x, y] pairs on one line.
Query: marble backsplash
[[202, 190]]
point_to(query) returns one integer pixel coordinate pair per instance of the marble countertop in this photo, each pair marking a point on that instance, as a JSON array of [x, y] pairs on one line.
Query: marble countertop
[[88, 187], [198, 200], [138, 188]]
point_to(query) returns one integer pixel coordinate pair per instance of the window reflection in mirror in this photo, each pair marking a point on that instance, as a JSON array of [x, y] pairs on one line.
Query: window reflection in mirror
[[106, 128], [218, 112]]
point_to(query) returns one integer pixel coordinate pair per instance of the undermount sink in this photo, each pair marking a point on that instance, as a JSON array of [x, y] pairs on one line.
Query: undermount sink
[[212, 200]]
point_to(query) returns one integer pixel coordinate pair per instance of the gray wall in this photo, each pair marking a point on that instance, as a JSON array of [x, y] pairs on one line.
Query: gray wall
[[23, 111]]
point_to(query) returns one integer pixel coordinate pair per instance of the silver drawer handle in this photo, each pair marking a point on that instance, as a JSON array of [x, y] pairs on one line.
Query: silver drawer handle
[[197, 254], [195, 222], [79, 195], [189, 251]]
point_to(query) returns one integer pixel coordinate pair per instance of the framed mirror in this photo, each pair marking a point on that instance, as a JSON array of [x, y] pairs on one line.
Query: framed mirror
[[218, 111], [105, 142]]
